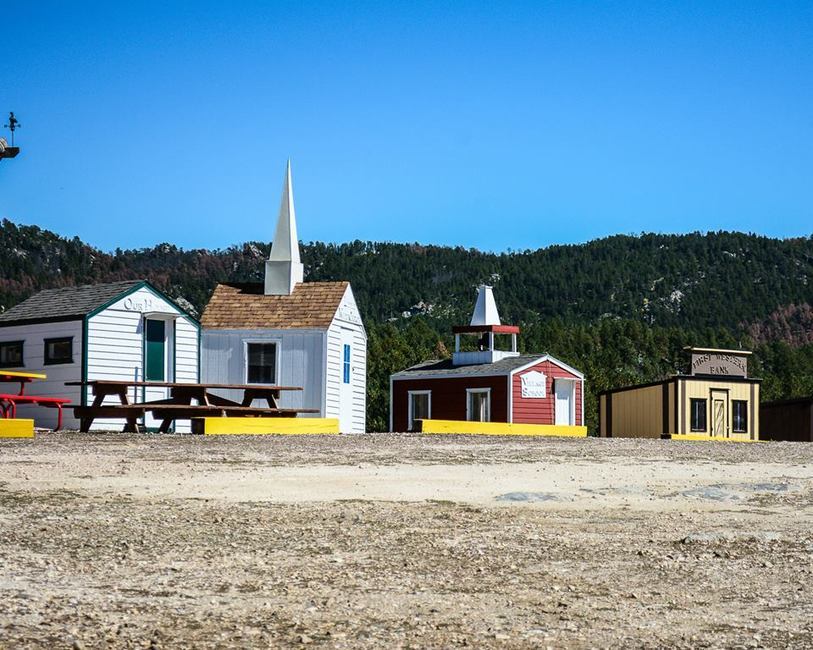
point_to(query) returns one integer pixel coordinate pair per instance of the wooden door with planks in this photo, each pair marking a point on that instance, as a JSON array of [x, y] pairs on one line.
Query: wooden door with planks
[[719, 414]]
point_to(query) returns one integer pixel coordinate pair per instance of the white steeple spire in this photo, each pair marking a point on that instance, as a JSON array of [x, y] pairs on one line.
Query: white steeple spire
[[485, 309], [283, 268]]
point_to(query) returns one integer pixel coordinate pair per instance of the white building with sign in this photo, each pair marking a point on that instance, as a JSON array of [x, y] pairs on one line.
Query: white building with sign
[[288, 332], [121, 331]]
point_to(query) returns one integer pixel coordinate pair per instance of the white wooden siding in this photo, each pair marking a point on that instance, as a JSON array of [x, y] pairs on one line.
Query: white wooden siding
[[347, 318], [186, 351], [116, 348], [300, 362], [34, 337], [333, 379]]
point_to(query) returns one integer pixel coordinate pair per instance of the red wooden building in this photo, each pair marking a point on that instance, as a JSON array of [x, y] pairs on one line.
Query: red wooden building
[[488, 384]]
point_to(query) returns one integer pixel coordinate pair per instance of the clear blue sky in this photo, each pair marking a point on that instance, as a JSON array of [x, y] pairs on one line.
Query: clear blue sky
[[495, 125]]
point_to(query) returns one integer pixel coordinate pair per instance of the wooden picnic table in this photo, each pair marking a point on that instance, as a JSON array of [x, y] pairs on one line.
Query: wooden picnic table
[[179, 404]]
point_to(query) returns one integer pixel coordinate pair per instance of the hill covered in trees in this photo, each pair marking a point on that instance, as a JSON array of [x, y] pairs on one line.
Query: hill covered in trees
[[619, 308]]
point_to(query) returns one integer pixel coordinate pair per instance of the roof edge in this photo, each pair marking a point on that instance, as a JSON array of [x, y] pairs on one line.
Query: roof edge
[[36, 321]]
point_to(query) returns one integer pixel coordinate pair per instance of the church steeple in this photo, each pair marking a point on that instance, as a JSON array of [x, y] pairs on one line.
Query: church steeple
[[283, 268]]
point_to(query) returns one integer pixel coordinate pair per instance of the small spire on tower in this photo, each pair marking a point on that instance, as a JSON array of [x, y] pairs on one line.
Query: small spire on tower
[[284, 270], [485, 309]]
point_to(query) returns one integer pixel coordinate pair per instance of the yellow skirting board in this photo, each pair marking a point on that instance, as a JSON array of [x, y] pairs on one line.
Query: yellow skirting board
[[264, 426], [16, 428], [697, 436], [501, 428]]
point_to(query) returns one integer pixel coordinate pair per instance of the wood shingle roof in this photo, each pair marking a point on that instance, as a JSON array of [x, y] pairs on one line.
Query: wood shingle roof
[[312, 305]]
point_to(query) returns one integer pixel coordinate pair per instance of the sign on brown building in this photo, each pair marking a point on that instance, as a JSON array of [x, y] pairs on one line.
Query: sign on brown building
[[710, 362]]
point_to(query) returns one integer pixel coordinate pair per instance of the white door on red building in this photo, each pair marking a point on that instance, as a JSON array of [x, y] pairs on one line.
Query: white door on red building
[[565, 401]]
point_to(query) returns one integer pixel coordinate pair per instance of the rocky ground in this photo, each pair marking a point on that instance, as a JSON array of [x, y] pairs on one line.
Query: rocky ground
[[379, 541]]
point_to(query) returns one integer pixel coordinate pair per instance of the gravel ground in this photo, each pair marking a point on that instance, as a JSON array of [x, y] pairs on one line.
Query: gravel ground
[[369, 541]]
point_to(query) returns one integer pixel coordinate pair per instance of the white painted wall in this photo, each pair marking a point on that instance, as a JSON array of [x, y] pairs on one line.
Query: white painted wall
[[300, 355], [311, 359], [116, 349], [186, 349], [34, 361], [347, 327]]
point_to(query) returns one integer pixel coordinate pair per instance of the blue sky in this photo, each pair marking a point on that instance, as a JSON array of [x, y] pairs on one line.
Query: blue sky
[[493, 125]]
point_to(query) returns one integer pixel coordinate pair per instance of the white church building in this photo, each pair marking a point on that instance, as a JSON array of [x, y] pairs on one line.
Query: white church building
[[289, 332]]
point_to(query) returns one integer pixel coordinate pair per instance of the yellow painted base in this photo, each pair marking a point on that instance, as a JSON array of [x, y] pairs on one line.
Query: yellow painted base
[[264, 426], [16, 428], [699, 436], [500, 429]]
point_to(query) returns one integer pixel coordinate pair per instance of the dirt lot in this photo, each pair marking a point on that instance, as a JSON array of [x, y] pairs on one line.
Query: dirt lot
[[372, 541]]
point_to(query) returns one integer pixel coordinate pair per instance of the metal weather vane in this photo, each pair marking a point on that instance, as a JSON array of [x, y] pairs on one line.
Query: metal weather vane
[[13, 125], [6, 150]]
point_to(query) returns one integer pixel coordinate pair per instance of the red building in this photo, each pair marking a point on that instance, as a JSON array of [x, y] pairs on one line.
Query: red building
[[488, 384]]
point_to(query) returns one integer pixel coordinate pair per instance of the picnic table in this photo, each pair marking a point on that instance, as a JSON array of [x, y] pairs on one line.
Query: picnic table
[[179, 406], [10, 401]]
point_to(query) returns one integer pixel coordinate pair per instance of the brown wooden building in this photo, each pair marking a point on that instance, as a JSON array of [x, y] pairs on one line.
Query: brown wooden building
[[787, 419], [716, 398]]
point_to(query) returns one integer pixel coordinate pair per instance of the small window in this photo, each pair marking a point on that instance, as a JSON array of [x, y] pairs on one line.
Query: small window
[[262, 363], [420, 407], [739, 409], [59, 350], [698, 414], [479, 405], [346, 365], [11, 354]]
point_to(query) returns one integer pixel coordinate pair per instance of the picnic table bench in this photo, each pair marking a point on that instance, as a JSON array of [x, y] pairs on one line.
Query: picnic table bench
[[9, 401], [179, 406]]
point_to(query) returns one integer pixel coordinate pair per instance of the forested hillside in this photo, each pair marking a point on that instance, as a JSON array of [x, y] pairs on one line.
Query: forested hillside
[[619, 308]]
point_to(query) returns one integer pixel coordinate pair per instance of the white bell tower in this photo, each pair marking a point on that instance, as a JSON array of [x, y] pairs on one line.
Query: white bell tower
[[485, 324]]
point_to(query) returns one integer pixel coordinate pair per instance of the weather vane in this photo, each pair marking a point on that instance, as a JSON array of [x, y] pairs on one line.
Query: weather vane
[[6, 150], [13, 124]]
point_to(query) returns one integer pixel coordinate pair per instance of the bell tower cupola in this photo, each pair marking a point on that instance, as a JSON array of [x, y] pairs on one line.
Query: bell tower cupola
[[485, 325]]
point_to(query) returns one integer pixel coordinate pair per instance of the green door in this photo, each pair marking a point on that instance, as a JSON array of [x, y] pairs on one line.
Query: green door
[[155, 350]]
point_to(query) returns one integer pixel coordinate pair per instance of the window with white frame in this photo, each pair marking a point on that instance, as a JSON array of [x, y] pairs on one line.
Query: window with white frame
[[478, 406], [420, 406], [346, 364], [261, 363]]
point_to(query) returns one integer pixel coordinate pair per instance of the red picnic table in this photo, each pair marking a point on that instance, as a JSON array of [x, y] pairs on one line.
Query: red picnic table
[[9, 401]]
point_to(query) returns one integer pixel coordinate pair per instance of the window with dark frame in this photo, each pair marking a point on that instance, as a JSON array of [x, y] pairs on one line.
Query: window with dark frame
[[11, 354], [739, 408], [698, 414], [58, 350], [262, 363]]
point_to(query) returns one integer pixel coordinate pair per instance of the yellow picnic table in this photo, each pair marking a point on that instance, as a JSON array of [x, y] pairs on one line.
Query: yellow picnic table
[[23, 377]]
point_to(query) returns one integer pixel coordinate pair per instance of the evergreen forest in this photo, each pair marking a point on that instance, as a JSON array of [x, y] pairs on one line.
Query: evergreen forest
[[621, 308]]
